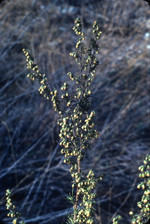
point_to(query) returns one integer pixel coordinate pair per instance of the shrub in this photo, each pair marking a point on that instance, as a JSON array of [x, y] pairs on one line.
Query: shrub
[[77, 127], [77, 130]]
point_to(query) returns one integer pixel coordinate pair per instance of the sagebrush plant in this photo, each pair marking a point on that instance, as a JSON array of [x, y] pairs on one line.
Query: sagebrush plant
[[77, 125]]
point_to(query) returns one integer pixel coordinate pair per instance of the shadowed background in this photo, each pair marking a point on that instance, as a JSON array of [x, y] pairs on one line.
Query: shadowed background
[[30, 160]]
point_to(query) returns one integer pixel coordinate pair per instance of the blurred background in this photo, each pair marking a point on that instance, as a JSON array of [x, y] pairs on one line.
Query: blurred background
[[30, 160]]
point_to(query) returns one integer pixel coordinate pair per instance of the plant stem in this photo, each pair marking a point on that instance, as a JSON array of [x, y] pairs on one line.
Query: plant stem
[[77, 190]]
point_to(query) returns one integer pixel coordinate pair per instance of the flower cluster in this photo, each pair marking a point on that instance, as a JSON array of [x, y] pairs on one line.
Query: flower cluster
[[71, 76], [78, 27], [144, 204], [117, 219], [44, 89], [97, 30], [83, 214], [12, 212], [88, 127], [56, 102]]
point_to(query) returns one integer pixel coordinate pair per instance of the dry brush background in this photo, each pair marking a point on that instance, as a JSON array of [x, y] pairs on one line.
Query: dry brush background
[[30, 160]]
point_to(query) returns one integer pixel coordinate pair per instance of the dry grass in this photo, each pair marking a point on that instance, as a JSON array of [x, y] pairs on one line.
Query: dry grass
[[30, 160]]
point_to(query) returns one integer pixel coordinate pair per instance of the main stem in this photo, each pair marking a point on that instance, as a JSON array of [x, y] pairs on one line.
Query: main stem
[[77, 189]]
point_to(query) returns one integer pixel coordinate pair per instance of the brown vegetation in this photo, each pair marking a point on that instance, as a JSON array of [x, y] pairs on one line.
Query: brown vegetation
[[30, 160]]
